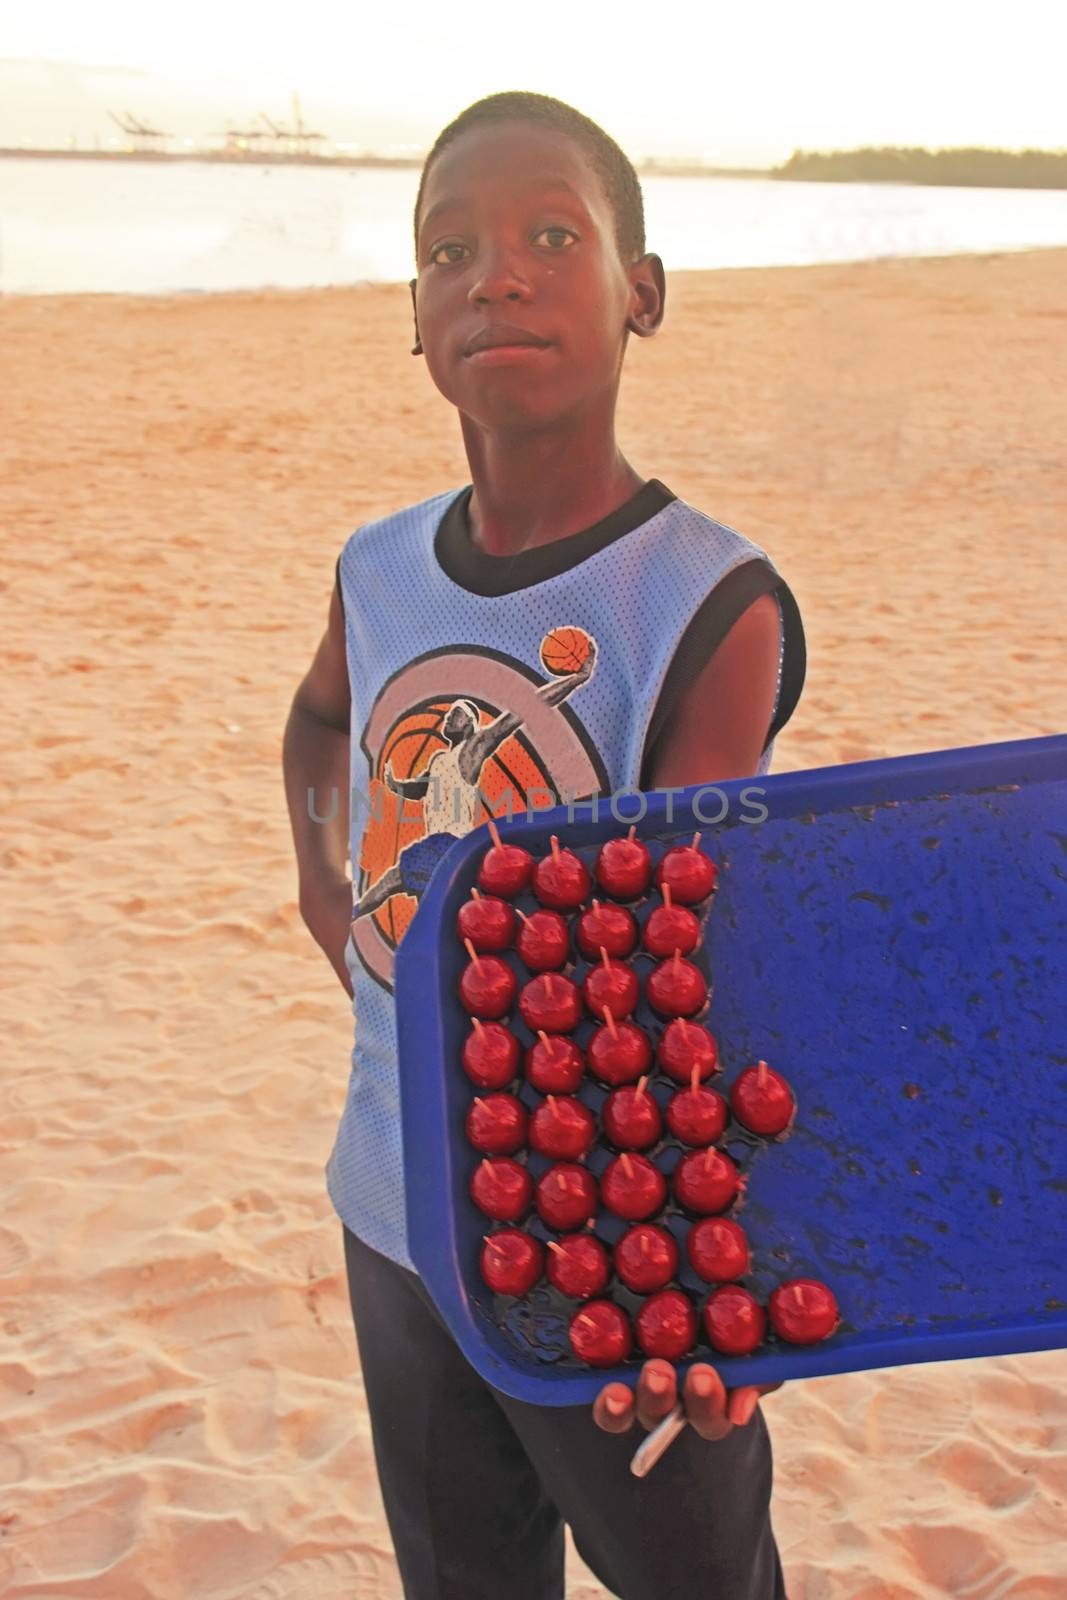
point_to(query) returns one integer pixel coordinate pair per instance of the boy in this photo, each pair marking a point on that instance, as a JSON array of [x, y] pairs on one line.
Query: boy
[[532, 274]]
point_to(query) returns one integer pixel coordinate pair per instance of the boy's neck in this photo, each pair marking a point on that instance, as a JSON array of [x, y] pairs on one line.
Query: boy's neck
[[521, 500]]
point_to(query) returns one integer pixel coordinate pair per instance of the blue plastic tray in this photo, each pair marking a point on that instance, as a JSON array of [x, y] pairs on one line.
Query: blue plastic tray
[[891, 939]]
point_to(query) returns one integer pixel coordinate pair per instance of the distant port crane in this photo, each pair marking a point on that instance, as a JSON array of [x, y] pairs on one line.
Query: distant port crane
[[143, 136]]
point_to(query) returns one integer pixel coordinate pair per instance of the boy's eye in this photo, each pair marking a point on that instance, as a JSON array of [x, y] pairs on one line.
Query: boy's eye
[[566, 232], [557, 246], [433, 258]]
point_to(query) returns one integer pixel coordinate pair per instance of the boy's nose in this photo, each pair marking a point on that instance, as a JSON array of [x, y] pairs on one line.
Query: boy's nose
[[498, 278]]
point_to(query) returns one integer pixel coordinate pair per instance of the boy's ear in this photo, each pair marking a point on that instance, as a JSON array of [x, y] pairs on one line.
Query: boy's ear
[[649, 283], [416, 348]]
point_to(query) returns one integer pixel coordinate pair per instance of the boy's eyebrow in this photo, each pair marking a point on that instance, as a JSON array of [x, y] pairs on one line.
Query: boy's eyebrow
[[548, 186]]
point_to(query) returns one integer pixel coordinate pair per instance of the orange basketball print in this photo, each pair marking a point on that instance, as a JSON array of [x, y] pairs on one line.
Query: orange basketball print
[[564, 650]]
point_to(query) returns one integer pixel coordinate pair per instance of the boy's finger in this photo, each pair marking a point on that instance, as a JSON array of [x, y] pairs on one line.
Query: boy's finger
[[657, 1393], [740, 1404], [705, 1401], [613, 1408]]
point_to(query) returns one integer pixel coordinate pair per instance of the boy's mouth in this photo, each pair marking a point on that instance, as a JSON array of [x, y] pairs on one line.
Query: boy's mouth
[[503, 336]]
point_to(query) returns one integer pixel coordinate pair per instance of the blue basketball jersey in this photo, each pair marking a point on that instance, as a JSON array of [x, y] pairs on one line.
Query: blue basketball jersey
[[517, 682]]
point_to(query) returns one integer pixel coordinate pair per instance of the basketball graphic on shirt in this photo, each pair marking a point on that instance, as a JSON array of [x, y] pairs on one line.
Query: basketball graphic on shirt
[[565, 650], [417, 746], [457, 736]]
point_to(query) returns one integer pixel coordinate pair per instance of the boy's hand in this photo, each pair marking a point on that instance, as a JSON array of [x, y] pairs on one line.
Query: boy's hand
[[712, 1413], [328, 915]]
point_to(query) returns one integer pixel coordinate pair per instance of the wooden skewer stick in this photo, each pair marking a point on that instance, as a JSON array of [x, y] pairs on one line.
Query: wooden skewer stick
[[633, 830], [477, 1021], [472, 952], [646, 1244], [667, 895], [696, 839], [607, 958], [555, 846], [761, 1074], [610, 1020], [588, 1321], [627, 1165], [694, 1077], [552, 1102], [558, 1248], [641, 1086], [493, 832], [707, 1158]]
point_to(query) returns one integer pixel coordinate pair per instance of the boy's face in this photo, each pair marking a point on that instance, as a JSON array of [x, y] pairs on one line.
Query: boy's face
[[515, 227]]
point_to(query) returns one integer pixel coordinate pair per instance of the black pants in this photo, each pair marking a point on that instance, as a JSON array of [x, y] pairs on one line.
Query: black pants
[[477, 1486]]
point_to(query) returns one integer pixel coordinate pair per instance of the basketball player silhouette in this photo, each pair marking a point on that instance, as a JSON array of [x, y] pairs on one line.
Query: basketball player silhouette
[[448, 787]]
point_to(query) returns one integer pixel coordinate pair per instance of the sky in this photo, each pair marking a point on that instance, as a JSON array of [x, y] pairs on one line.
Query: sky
[[733, 84]]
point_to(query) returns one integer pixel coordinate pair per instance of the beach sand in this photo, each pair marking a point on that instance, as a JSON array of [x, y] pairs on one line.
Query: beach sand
[[182, 1409]]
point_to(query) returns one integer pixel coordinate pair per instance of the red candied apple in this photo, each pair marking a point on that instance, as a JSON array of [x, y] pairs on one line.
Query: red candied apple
[[803, 1310], [646, 1257], [611, 986], [676, 988], [623, 867], [619, 1052], [487, 985], [667, 1325], [762, 1100], [603, 925], [497, 1124], [566, 1195], [562, 1128], [554, 1065], [505, 869], [717, 1249], [632, 1187], [670, 928], [695, 1115], [490, 1054], [685, 1045], [561, 879], [544, 940], [552, 1002], [600, 1334], [706, 1180], [512, 1261], [734, 1320], [689, 872], [631, 1118], [502, 1189], [578, 1265], [487, 921]]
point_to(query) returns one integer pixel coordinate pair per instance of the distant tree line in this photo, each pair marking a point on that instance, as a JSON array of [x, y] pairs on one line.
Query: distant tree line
[[973, 167]]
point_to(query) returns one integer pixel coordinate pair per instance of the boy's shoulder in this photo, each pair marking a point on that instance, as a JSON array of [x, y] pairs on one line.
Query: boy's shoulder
[[413, 516], [703, 533]]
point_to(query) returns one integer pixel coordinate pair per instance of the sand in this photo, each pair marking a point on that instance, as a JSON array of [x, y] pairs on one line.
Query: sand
[[182, 1409]]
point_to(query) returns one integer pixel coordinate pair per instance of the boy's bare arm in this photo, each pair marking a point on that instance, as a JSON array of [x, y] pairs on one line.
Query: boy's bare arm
[[721, 722], [315, 755]]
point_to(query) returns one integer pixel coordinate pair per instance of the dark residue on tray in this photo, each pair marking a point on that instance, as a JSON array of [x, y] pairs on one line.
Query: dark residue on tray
[[882, 901], [911, 1091]]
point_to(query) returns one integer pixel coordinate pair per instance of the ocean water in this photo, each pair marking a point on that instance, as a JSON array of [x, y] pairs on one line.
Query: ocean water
[[69, 226]]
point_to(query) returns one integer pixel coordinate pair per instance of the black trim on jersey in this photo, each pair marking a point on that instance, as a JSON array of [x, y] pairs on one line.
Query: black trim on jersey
[[481, 573], [704, 633]]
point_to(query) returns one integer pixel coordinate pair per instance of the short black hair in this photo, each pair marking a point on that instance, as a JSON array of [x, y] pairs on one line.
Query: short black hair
[[611, 164]]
